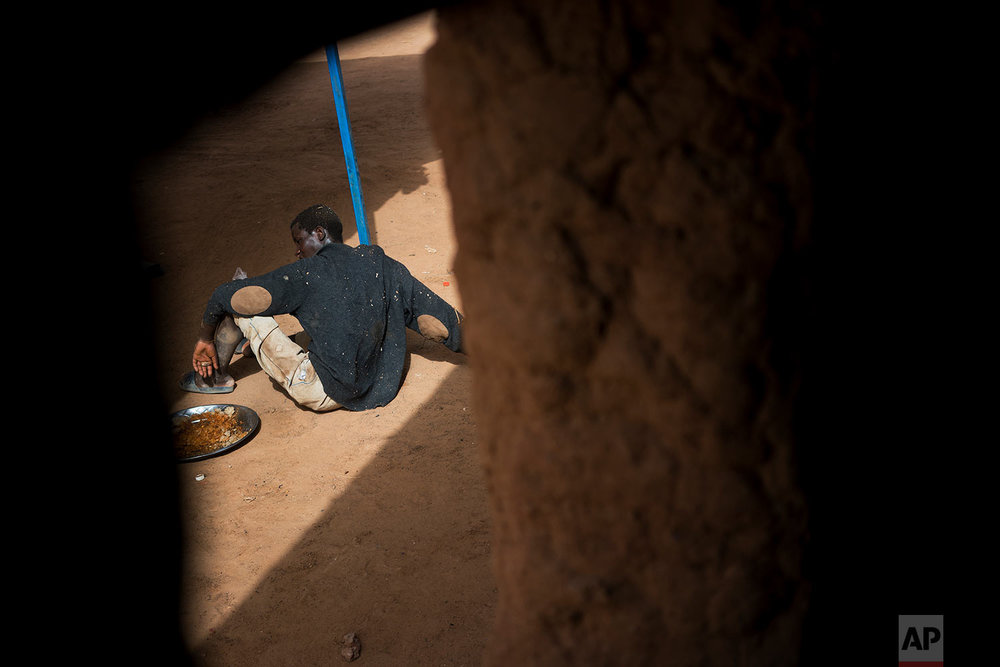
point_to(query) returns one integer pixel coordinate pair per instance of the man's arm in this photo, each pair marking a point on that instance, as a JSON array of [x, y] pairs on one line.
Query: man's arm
[[205, 359], [424, 311], [270, 294]]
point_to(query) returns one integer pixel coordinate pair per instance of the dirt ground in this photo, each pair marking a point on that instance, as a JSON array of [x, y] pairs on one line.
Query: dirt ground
[[373, 522]]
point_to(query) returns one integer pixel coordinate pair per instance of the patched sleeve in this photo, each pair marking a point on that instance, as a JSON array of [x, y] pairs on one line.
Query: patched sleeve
[[424, 311], [278, 292]]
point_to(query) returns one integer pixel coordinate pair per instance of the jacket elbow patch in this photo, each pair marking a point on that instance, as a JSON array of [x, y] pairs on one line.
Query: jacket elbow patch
[[250, 300], [432, 328]]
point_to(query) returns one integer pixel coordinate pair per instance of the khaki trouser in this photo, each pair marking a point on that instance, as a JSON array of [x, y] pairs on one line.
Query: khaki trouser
[[285, 362]]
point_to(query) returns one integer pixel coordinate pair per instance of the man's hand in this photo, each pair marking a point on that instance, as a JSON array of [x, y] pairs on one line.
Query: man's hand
[[205, 360]]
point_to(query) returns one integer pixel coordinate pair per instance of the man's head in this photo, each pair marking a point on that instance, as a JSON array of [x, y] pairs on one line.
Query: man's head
[[314, 228]]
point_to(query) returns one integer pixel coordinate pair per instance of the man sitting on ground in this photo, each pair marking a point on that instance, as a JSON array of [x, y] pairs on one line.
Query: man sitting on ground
[[355, 304]]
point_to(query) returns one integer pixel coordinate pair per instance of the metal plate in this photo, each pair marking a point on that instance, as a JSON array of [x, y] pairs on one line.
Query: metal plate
[[205, 431]]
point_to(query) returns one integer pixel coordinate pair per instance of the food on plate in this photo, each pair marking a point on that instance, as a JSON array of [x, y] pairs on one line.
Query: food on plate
[[206, 432]]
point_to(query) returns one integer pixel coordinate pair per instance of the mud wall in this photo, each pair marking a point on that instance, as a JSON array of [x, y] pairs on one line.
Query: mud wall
[[632, 200]]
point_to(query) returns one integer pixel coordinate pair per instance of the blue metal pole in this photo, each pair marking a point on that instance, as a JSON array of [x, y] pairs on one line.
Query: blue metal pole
[[337, 79]]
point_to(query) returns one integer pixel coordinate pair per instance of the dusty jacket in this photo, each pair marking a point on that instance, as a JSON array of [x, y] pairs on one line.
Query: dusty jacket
[[355, 303]]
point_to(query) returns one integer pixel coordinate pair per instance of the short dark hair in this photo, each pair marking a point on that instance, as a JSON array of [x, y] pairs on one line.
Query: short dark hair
[[320, 215]]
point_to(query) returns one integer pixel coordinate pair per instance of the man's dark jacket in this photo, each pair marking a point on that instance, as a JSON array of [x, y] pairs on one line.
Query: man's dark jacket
[[355, 303]]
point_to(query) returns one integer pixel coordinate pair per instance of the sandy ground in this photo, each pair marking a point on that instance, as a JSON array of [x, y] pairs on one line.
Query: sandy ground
[[374, 522]]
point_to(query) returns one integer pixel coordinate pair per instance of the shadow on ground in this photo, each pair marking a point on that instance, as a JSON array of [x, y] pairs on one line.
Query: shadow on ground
[[393, 585]]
